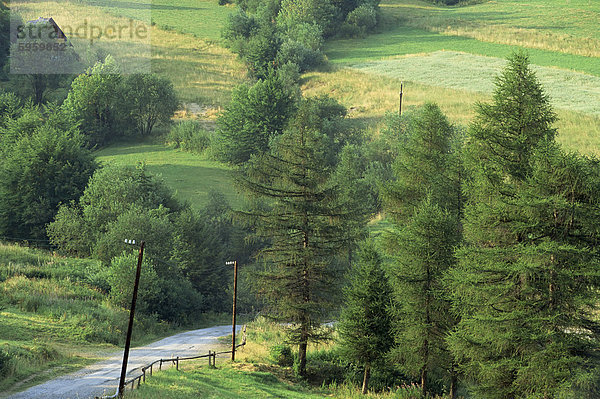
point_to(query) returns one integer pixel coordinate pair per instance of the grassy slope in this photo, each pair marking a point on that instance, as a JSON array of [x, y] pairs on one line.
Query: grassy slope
[[190, 175], [50, 317], [201, 70], [367, 73]]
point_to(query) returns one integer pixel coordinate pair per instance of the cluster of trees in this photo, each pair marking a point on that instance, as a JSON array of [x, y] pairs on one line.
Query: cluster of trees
[[44, 156], [184, 272], [289, 34], [492, 273], [107, 105]]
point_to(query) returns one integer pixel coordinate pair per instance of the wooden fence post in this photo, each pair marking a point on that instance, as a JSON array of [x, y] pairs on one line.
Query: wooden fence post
[[160, 365], [177, 364]]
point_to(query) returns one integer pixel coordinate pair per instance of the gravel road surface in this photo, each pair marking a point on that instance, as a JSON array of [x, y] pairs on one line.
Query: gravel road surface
[[103, 378]]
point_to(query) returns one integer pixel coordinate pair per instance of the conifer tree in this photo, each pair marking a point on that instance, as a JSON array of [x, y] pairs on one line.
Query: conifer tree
[[424, 201], [526, 283], [365, 323], [306, 225]]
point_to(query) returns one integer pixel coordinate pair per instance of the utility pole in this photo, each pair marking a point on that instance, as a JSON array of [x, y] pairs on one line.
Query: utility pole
[[401, 93], [235, 272], [131, 315]]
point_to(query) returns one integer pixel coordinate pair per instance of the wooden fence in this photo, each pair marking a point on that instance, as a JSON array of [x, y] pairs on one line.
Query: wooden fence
[[148, 369]]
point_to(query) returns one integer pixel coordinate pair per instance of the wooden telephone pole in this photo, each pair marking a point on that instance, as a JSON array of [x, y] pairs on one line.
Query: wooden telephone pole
[[235, 273], [401, 93], [131, 315]]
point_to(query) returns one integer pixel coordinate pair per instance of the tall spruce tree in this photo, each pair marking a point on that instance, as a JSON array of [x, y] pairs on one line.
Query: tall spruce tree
[[424, 201], [306, 226], [526, 284], [365, 323]]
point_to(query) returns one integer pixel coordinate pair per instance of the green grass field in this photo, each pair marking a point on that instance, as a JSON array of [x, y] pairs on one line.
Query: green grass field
[[197, 380], [404, 40], [201, 18], [567, 26], [191, 176]]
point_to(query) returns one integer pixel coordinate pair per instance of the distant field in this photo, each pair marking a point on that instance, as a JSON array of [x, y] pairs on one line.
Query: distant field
[[202, 71], [567, 26], [568, 90], [404, 40], [191, 176], [201, 18], [370, 96]]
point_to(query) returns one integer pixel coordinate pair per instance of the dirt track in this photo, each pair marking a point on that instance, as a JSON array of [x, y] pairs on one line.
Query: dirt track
[[102, 378]]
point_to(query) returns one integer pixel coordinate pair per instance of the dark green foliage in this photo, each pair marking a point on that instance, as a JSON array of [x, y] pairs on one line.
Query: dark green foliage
[[269, 35], [185, 251], [110, 193], [282, 355], [94, 103], [37, 173], [255, 115], [527, 281], [4, 38], [148, 100], [121, 278], [303, 226], [365, 323], [425, 202], [107, 106], [423, 165]]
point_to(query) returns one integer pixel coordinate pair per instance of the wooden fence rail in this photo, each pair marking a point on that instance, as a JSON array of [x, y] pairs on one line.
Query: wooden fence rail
[[212, 357]]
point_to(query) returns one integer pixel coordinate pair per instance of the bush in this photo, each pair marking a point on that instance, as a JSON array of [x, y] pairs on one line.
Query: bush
[[297, 53], [189, 136], [121, 277], [37, 173], [282, 355], [6, 362], [359, 21]]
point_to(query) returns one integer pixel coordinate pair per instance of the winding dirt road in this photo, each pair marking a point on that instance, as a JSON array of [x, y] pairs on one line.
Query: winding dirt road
[[103, 378]]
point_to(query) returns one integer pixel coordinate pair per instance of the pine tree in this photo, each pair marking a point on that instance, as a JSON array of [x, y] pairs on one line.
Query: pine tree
[[306, 224], [526, 283], [365, 322], [425, 203]]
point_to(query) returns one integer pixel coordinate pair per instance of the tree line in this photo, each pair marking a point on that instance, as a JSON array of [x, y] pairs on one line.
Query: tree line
[[487, 280]]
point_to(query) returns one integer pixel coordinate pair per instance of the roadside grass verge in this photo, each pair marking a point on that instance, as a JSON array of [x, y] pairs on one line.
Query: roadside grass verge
[[191, 176], [555, 25]]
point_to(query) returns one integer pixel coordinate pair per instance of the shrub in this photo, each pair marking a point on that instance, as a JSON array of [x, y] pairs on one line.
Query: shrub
[[297, 53], [189, 136], [6, 362], [282, 355], [361, 20]]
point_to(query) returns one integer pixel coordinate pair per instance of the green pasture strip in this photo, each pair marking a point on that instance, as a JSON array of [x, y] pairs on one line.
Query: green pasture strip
[[405, 40], [196, 380], [191, 176], [568, 26], [568, 90], [202, 18]]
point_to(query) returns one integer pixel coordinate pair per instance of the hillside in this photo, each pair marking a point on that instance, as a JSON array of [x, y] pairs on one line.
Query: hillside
[[54, 316]]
